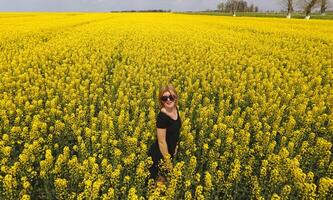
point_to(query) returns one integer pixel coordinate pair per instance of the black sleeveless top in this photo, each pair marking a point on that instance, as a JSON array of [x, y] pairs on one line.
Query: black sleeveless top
[[172, 134]]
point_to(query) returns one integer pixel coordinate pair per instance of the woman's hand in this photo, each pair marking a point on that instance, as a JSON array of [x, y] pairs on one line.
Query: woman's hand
[[175, 151], [168, 162]]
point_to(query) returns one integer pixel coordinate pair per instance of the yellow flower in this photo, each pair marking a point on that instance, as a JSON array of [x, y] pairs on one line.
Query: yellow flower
[[140, 170], [132, 194], [127, 179], [9, 182], [188, 195], [60, 183], [26, 184], [205, 147], [25, 197], [208, 181], [96, 188], [198, 192], [7, 150], [5, 137]]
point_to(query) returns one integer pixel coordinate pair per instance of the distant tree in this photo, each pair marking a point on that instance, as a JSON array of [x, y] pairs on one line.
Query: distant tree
[[234, 6], [220, 7], [242, 6], [324, 5], [251, 8], [256, 9], [288, 5], [307, 6]]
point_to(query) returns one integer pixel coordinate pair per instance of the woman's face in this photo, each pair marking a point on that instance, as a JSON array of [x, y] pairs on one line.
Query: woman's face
[[169, 103]]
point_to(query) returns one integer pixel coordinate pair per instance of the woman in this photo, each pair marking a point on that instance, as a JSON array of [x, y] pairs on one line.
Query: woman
[[168, 125]]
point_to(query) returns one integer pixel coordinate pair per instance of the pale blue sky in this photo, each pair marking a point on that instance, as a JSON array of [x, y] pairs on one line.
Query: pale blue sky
[[107, 5]]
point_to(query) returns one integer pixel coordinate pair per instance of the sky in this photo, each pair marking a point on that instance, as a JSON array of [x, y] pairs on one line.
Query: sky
[[109, 5]]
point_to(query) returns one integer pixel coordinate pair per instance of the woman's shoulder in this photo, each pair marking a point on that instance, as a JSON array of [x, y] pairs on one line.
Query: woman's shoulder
[[162, 113], [162, 116], [162, 110]]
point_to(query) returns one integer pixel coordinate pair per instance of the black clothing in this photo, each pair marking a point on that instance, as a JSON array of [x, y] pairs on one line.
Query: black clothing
[[172, 137]]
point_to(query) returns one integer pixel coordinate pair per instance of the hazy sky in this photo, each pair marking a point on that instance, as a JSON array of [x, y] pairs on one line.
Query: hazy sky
[[108, 5]]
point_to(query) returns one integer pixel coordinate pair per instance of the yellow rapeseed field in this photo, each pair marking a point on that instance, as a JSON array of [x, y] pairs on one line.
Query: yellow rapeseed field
[[78, 105]]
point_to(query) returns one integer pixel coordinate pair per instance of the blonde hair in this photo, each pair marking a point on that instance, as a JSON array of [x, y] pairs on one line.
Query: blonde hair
[[171, 90]]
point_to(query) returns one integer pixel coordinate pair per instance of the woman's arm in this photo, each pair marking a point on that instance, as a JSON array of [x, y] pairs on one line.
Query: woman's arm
[[161, 137]]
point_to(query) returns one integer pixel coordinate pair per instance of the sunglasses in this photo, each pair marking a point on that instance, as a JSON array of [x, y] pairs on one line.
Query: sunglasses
[[171, 97]]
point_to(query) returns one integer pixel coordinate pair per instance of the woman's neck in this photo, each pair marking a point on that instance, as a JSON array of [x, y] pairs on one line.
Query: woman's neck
[[170, 110]]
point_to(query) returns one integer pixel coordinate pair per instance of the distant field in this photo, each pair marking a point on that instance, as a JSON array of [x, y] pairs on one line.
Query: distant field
[[329, 15]]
